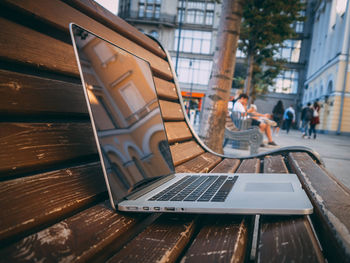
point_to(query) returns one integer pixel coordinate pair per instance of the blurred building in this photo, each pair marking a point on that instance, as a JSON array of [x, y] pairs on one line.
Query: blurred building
[[195, 23], [328, 77]]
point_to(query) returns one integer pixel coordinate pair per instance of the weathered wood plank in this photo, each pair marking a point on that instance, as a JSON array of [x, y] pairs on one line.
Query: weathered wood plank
[[28, 95], [275, 164], [331, 202], [289, 238], [29, 146], [286, 237], [183, 152], [249, 166], [47, 11], [177, 131], [68, 240], [163, 241], [227, 166], [171, 111], [165, 89], [36, 200], [24, 45], [221, 238], [201, 164]]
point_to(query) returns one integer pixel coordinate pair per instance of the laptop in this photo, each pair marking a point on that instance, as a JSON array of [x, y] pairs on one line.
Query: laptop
[[134, 150]]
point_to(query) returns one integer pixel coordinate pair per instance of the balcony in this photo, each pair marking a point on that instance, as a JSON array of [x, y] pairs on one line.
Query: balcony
[[155, 18]]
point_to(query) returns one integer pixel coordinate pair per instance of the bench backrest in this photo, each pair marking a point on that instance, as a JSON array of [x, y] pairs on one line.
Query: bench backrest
[[47, 150]]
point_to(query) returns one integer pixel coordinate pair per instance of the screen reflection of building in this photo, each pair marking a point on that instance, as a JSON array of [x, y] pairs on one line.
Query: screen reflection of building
[[126, 114]]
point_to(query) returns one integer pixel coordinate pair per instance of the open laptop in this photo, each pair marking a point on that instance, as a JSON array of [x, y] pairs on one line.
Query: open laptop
[[134, 150]]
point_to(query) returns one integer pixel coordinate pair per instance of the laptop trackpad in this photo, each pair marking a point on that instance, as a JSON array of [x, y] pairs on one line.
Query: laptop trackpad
[[268, 187]]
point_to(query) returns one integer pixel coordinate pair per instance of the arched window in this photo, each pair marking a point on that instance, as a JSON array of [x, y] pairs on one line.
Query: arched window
[[139, 167], [315, 93], [321, 90], [154, 34], [165, 151], [120, 175], [330, 87]]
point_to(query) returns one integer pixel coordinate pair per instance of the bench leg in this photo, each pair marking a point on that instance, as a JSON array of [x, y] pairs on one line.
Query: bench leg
[[255, 141]]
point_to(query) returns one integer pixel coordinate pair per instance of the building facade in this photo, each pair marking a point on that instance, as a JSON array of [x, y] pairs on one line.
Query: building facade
[[328, 77], [188, 29]]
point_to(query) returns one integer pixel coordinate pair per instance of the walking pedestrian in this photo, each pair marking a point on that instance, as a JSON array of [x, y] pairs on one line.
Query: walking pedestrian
[[306, 116], [315, 120], [289, 117], [277, 114]]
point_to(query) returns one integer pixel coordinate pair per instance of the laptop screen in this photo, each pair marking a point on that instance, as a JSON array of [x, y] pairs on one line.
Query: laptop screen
[[125, 113]]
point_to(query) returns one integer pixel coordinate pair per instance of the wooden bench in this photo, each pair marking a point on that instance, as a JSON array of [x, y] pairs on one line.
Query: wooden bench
[[242, 134], [53, 197]]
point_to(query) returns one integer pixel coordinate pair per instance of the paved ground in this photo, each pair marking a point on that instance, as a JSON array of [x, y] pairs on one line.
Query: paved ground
[[334, 150]]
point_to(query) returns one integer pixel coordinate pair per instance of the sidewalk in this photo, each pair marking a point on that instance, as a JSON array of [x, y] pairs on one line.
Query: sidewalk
[[334, 150]]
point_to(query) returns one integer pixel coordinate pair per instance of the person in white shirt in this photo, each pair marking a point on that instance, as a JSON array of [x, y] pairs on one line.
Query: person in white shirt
[[241, 106]]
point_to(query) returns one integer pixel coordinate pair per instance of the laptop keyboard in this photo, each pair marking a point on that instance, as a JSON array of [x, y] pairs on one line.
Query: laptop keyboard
[[207, 188]]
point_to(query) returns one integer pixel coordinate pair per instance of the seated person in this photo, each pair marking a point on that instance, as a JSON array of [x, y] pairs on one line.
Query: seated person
[[266, 118], [241, 106]]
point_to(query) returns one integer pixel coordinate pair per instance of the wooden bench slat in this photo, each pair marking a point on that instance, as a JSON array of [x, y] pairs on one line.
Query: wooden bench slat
[[222, 238], [249, 166], [165, 89], [277, 233], [287, 237], [275, 164], [28, 95], [163, 241], [183, 152], [68, 240], [177, 131], [29, 146], [331, 206], [38, 199], [48, 10], [35, 48], [201, 164], [94, 10], [171, 111], [227, 166]]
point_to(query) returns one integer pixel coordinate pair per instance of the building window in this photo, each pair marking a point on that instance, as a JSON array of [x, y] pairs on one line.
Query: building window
[[286, 82], [132, 97], [299, 25], [196, 12], [117, 172], [154, 34], [193, 41], [290, 50], [330, 87], [239, 53], [149, 8], [194, 71], [104, 53], [124, 7], [139, 167], [163, 147]]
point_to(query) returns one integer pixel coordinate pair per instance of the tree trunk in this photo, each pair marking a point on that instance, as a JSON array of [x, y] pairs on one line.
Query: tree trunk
[[212, 126], [248, 80]]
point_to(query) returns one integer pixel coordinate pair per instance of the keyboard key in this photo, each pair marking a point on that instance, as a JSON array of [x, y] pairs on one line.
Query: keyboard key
[[225, 189]]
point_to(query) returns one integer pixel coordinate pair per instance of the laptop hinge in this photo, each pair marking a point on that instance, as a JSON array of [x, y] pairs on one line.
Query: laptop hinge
[[149, 188]]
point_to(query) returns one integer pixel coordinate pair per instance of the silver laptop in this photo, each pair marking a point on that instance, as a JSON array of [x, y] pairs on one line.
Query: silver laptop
[[134, 150]]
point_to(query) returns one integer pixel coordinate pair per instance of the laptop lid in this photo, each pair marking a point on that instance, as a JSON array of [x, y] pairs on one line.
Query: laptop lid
[[124, 112]]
